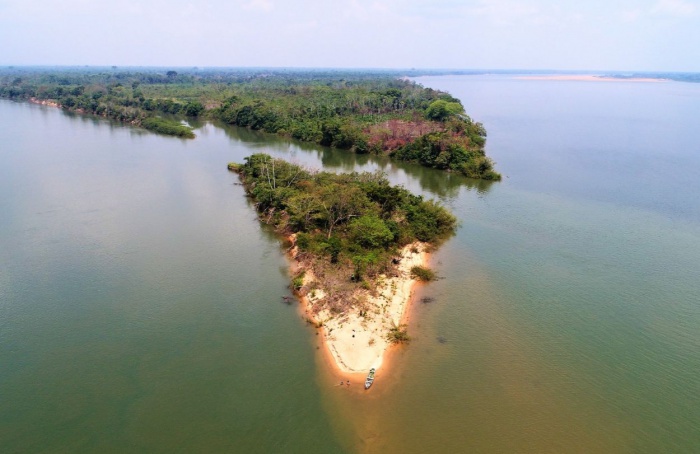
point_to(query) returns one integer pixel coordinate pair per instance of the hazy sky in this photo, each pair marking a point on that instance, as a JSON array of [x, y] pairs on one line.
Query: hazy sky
[[480, 34]]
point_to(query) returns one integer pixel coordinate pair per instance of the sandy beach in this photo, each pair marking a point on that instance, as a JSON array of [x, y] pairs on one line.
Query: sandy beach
[[44, 102], [357, 342], [590, 78]]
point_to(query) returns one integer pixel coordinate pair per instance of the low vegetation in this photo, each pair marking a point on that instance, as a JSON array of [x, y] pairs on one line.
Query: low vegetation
[[423, 274], [298, 281], [168, 127], [398, 335]]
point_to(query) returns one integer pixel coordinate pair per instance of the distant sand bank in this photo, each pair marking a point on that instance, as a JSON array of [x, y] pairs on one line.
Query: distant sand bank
[[590, 78], [44, 102]]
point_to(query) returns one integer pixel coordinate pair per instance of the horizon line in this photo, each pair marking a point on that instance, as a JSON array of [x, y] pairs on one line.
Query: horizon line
[[340, 68]]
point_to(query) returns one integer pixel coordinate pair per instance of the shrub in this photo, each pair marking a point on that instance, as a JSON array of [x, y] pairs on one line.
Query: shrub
[[167, 127], [398, 335], [423, 274], [298, 281], [303, 241]]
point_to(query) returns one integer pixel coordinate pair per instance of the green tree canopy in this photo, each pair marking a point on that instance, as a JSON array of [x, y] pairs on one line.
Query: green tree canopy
[[370, 232], [441, 110]]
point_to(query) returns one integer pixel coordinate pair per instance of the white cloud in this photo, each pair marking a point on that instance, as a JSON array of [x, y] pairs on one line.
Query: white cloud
[[562, 34], [259, 5], [505, 12], [631, 15], [303, 26], [674, 8]]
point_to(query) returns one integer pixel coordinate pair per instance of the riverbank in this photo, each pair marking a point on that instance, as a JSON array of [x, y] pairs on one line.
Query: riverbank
[[158, 125], [356, 341], [44, 102]]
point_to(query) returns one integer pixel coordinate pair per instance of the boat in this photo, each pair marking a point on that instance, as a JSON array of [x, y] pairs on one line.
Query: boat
[[370, 378]]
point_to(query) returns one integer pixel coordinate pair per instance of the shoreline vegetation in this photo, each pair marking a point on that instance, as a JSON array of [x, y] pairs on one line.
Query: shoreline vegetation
[[362, 112], [358, 246]]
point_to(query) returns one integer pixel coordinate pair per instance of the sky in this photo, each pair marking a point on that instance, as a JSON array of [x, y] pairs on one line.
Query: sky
[[619, 35]]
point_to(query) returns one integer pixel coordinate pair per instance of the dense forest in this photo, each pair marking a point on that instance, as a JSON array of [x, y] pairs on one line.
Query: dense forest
[[364, 112], [347, 226]]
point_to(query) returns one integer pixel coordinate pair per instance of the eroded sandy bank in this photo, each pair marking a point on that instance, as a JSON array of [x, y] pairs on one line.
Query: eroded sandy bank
[[356, 340]]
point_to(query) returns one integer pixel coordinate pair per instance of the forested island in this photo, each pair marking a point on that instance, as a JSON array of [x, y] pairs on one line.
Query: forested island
[[363, 112], [358, 245]]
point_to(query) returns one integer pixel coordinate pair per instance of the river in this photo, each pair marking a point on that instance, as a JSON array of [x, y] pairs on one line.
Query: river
[[141, 302]]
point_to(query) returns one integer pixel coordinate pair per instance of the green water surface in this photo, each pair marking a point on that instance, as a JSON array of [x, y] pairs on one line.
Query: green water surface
[[141, 301]]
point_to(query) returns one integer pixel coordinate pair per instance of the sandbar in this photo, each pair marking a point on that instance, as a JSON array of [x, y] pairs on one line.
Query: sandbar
[[356, 341], [591, 78]]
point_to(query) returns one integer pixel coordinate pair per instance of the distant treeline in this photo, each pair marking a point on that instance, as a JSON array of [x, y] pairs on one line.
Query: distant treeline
[[365, 112]]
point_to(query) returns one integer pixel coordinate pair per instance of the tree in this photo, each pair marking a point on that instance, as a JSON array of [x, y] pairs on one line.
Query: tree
[[370, 232], [341, 203], [68, 102], [193, 109], [441, 110], [304, 209]]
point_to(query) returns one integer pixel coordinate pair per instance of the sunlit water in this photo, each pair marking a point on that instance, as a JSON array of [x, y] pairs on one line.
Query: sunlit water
[[140, 301]]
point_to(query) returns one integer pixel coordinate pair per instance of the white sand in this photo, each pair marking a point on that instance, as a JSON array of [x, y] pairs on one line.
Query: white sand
[[44, 102], [590, 78], [357, 343]]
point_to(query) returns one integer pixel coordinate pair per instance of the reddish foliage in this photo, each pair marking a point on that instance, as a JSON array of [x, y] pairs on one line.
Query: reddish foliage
[[393, 134]]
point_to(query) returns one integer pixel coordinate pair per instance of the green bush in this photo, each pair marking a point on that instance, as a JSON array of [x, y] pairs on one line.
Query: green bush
[[298, 281], [398, 335], [167, 127], [423, 274], [303, 241], [370, 232], [441, 109]]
